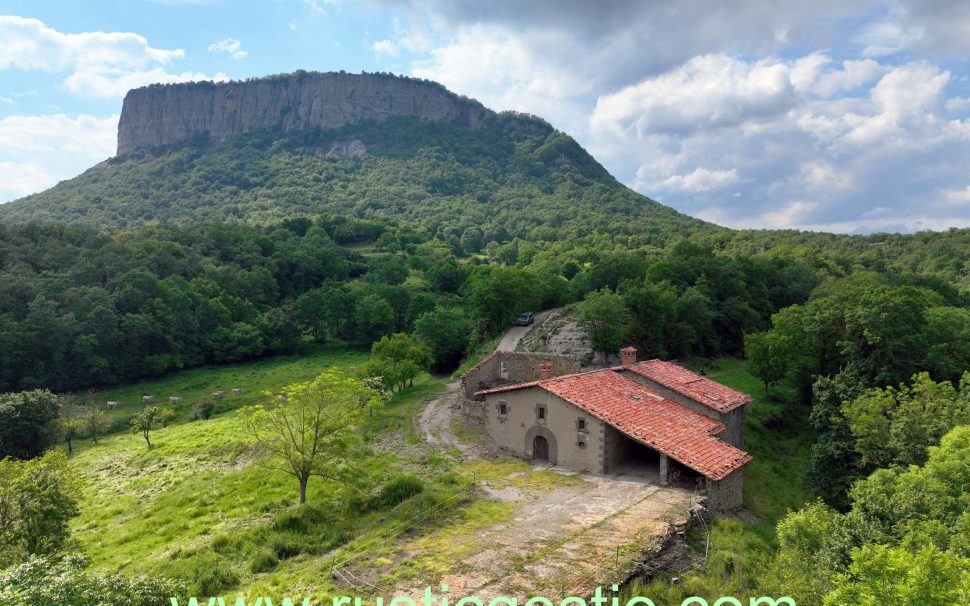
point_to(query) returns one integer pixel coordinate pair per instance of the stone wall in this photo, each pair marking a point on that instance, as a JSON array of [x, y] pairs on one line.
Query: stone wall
[[507, 367], [513, 367], [513, 432], [725, 495]]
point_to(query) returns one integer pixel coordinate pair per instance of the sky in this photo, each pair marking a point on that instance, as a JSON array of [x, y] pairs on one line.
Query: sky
[[838, 116]]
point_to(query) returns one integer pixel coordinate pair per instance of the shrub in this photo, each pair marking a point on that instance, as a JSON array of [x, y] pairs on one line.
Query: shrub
[[264, 561], [396, 491], [203, 409]]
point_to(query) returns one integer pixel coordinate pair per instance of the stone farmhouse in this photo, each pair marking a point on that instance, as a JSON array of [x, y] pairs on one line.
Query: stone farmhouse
[[652, 418]]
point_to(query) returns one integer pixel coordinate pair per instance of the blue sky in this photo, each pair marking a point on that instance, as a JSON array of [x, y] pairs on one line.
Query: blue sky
[[837, 116]]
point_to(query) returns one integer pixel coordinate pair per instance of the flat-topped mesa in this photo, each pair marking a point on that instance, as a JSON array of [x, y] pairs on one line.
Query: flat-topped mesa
[[162, 114]]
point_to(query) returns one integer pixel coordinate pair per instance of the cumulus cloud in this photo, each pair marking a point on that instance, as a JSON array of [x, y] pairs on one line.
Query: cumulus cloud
[[99, 64], [701, 180], [230, 46], [827, 115], [38, 151], [385, 47]]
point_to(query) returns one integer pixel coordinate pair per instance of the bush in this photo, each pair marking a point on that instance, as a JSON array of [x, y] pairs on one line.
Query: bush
[[206, 573], [396, 491], [264, 561], [203, 410], [67, 582]]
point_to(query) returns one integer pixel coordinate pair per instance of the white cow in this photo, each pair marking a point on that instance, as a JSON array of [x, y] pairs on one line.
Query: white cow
[[174, 399], [237, 390], [147, 399], [112, 405], [218, 394]]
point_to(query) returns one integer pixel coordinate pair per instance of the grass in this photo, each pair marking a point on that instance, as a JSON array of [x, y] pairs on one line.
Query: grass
[[200, 507], [197, 384]]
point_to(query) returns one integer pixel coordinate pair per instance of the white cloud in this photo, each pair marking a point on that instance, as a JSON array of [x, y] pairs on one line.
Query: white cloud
[[701, 180], [230, 46], [888, 38], [100, 64], [385, 47], [38, 151], [500, 69], [709, 91]]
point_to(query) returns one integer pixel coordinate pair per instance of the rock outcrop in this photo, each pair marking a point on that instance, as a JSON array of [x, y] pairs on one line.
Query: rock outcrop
[[163, 114]]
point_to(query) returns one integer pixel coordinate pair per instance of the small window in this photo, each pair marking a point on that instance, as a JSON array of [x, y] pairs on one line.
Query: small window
[[503, 408], [581, 424], [581, 443], [541, 413]]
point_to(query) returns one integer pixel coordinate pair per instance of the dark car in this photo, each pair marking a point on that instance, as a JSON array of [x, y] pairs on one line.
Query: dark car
[[525, 319]]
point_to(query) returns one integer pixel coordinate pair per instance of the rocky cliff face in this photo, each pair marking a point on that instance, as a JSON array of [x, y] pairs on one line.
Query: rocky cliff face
[[163, 114]]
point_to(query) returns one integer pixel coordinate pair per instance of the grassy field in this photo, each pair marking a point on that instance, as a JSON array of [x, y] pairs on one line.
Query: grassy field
[[254, 378], [199, 506]]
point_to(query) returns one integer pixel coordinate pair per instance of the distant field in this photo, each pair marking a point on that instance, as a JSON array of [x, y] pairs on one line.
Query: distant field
[[193, 385]]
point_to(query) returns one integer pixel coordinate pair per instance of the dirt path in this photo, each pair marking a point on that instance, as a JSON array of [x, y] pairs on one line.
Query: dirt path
[[435, 422], [511, 339]]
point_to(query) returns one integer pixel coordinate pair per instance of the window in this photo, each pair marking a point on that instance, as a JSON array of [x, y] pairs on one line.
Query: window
[[503, 408], [581, 424], [581, 443], [541, 413]]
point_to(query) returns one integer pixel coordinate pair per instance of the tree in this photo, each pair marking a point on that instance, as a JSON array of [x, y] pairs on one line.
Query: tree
[[96, 423], [144, 422], [70, 428], [311, 431], [38, 498], [835, 464], [880, 574], [373, 318], [25, 421], [499, 294], [68, 582], [398, 358], [765, 359], [604, 315], [165, 416], [445, 333], [896, 425]]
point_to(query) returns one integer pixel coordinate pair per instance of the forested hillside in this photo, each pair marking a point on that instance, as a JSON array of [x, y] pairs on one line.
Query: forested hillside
[[515, 178]]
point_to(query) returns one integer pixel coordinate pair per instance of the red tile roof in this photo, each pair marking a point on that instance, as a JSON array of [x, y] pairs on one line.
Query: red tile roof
[[648, 417], [688, 383]]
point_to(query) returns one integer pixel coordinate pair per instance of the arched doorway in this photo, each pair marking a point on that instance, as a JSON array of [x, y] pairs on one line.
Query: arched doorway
[[540, 448]]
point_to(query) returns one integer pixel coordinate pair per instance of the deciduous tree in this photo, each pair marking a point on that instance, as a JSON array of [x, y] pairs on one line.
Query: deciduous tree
[[311, 431]]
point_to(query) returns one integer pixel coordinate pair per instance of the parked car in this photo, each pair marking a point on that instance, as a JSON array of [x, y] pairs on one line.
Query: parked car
[[525, 319]]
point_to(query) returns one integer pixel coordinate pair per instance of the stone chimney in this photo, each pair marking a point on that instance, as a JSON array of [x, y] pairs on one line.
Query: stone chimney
[[545, 371], [628, 356]]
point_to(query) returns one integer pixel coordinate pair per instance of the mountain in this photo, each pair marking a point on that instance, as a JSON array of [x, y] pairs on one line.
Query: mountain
[[370, 146], [160, 115]]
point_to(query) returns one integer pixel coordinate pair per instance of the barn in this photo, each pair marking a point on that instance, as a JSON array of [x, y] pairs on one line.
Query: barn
[[652, 418]]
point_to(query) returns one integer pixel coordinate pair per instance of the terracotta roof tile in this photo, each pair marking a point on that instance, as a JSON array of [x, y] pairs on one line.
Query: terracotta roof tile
[[688, 383], [648, 417]]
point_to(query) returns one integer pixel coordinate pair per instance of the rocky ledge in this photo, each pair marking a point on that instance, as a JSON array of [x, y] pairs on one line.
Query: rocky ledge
[[163, 114]]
